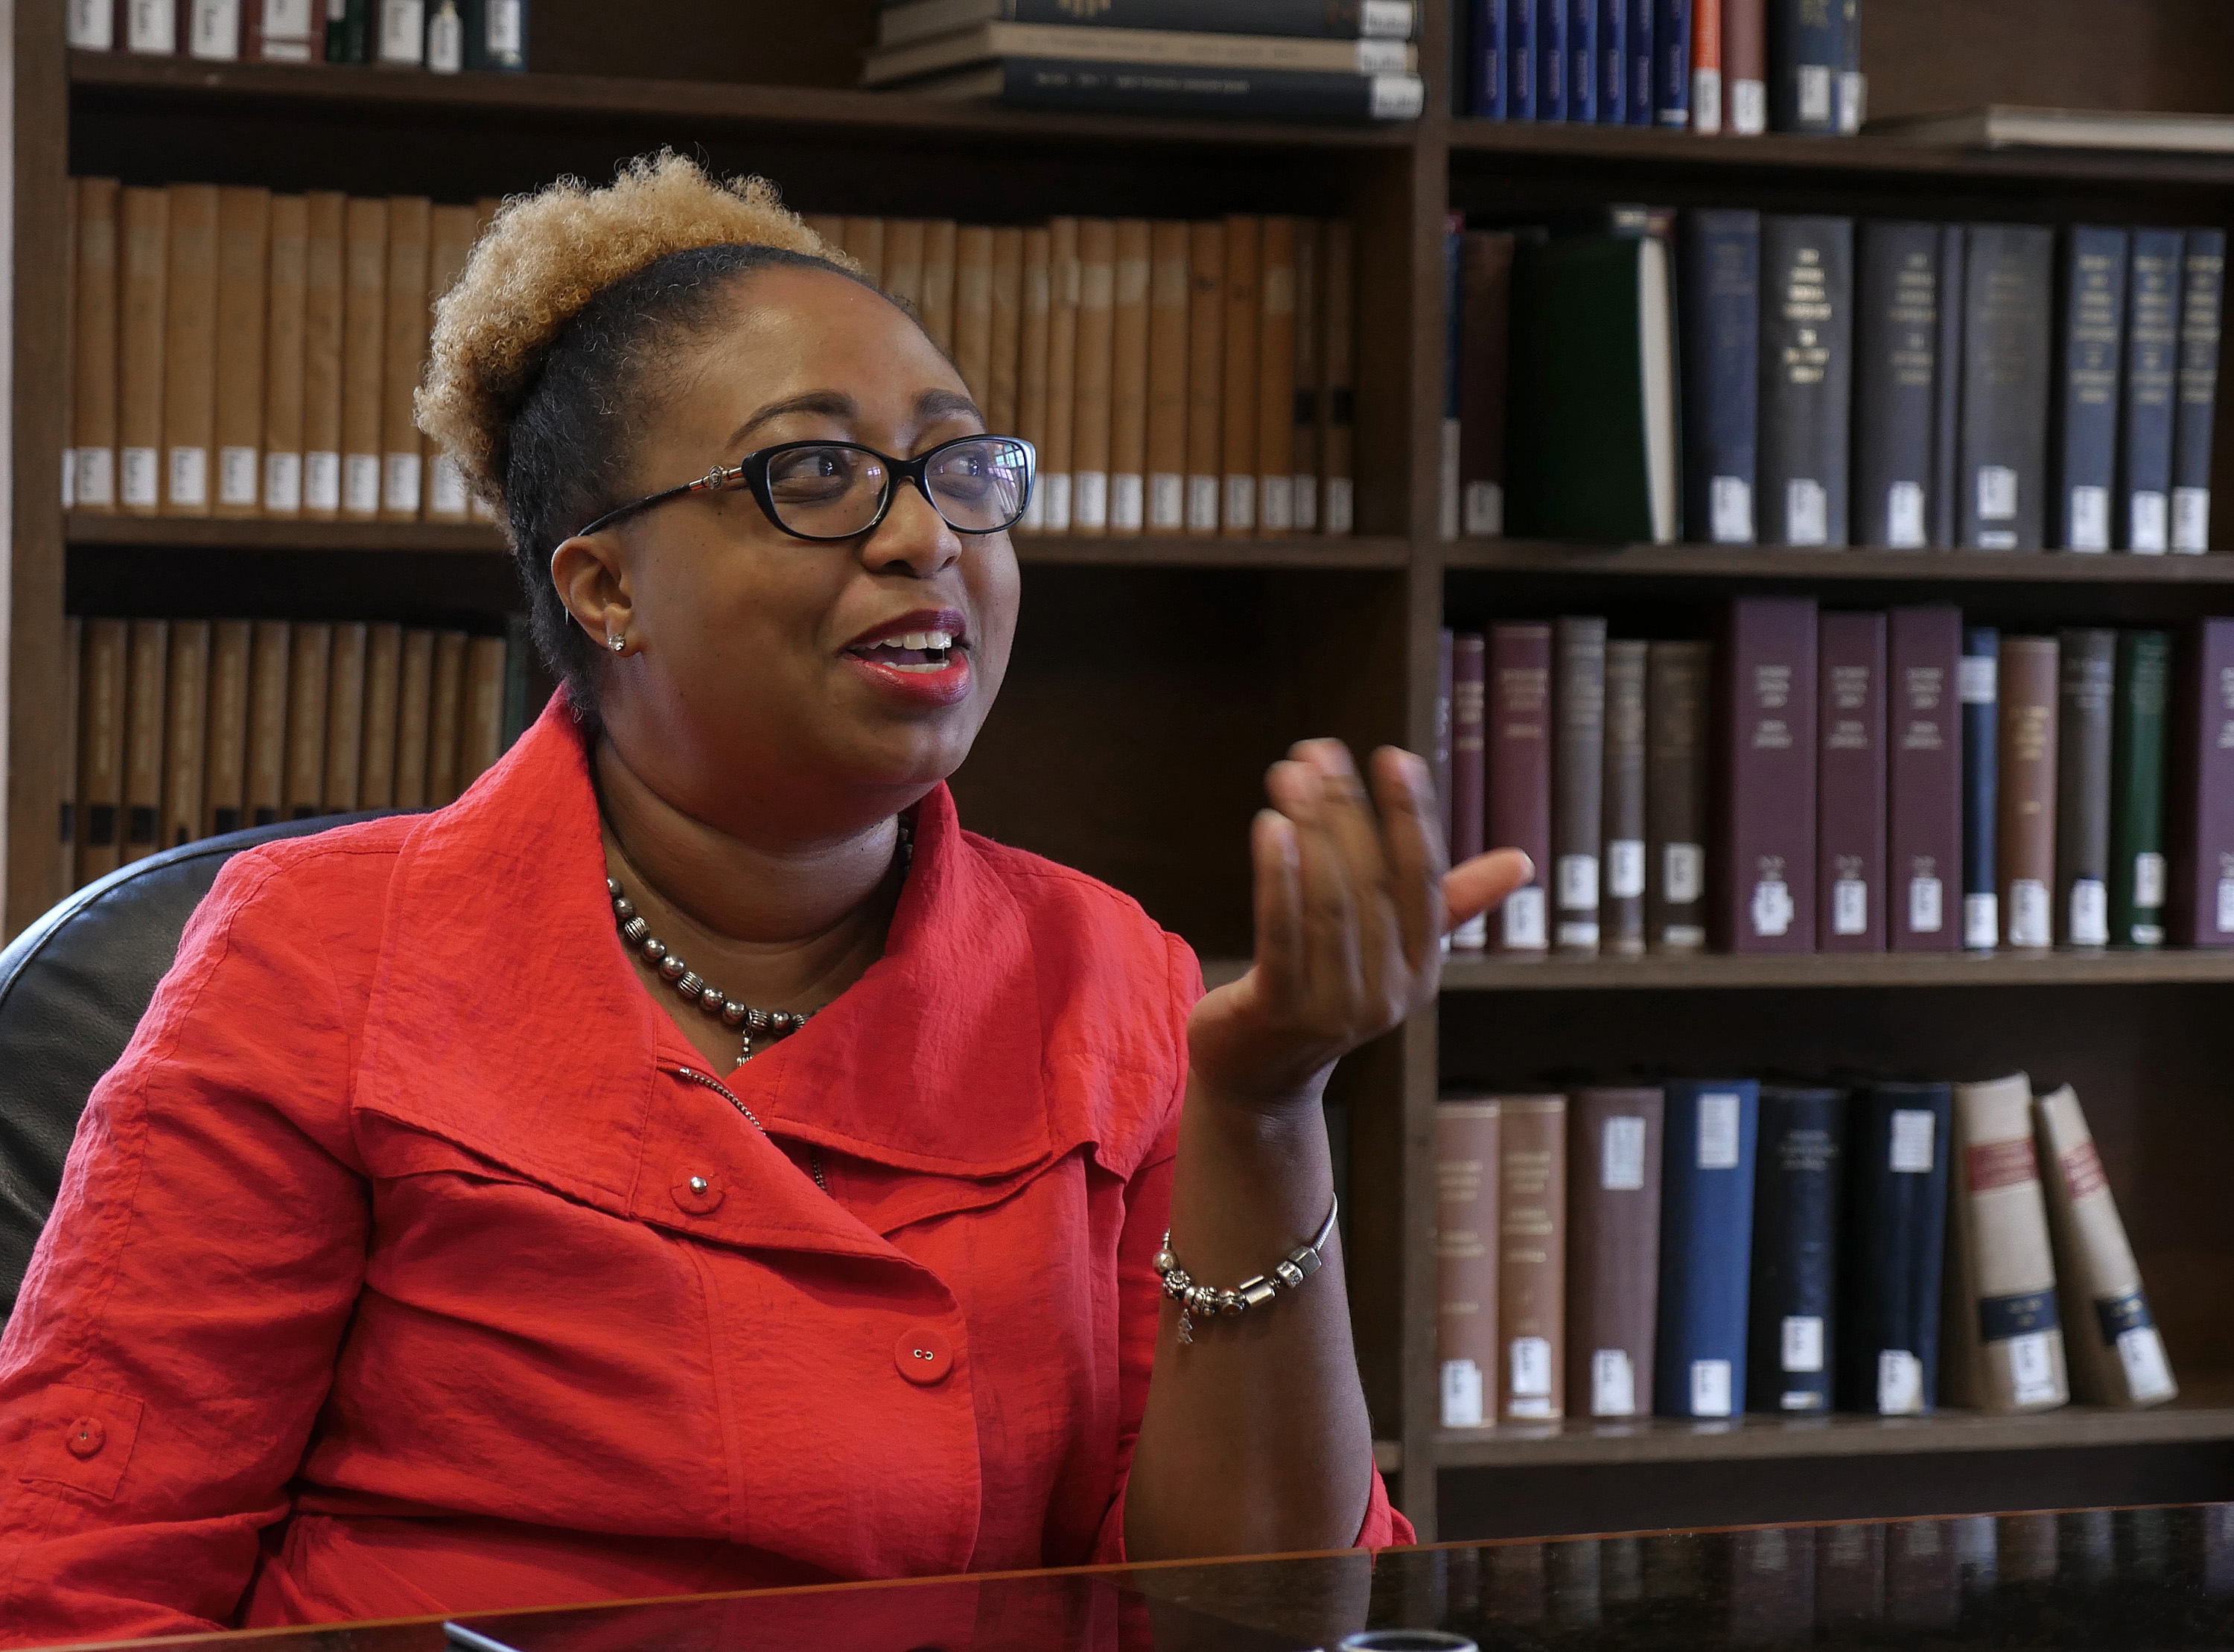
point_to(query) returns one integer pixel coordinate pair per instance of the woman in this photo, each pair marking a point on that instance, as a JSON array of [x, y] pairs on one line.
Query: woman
[[689, 1161]]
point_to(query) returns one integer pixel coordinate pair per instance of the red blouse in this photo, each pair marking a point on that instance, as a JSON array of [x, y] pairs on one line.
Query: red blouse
[[410, 1260]]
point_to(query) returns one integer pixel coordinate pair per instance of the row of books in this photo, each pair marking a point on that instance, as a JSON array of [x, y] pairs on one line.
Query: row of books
[[443, 36], [1846, 782], [1731, 376], [1704, 1247], [180, 729], [1176, 377], [1741, 67], [237, 353]]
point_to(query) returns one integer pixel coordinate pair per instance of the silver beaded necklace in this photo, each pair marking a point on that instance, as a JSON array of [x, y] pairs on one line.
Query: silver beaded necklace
[[768, 1025]]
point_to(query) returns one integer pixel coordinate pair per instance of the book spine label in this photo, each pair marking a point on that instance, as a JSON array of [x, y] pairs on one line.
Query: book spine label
[[1745, 66], [1850, 881], [2151, 376], [1485, 329], [1578, 782], [1895, 350], [1792, 1343], [1707, 1194], [1671, 47], [2008, 1346], [1765, 797], [1947, 392], [1889, 1336], [2203, 302], [1532, 1288], [2082, 787], [1518, 761], [2006, 348], [2201, 908], [1707, 69], [1721, 336], [2138, 870], [1807, 357], [1622, 866], [1806, 53], [2094, 315], [2025, 846], [1980, 687], [1678, 682], [1643, 62], [1613, 1249], [1468, 655], [1923, 761], [1467, 1170], [2117, 1356]]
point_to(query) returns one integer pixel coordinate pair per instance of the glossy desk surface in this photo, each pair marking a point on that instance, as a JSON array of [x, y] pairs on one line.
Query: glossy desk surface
[[2098, 1579]]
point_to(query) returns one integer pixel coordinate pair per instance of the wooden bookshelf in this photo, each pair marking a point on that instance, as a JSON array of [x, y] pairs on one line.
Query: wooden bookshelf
[[1723, 563], [1714, 971]]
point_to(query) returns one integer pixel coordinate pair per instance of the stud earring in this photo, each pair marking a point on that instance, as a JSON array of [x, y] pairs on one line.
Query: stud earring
[[618, 644]]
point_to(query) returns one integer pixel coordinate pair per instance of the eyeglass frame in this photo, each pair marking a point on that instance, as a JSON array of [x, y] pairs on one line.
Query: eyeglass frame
[[753, 470]]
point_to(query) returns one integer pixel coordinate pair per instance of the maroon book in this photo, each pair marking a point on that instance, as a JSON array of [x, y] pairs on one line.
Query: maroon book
[[1764, 888], [1467, 652], [1518, 732], [2201, 910], [1923, 762], [1850, 783]]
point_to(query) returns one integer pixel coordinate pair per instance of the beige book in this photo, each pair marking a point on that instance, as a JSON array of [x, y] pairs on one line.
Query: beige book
[[2116, 1352], [190, 350], [1090, 393], [309, 661], [1304, 450], [1128, 377], [324, 263], [270, 672], [450, 244], [935, 306], [1337, 283], [1469, 1171], [146, 664], [2001, 1347], [73, 663], [404, 357], [1244, 304], [344, 753], [1167, 378], [1057, 456], [364, 338], [1276, 384], [1032, 365], [186, 707], [243, 231], [865, 241], [282, 484], [143, 270], [903, 267], [1007, 342], [225, 735], [444, 707], [101, 679], [480, 719], [830, 226], [973, 310], [383, 665], [92, 349], [414, 694], [1205, 375]]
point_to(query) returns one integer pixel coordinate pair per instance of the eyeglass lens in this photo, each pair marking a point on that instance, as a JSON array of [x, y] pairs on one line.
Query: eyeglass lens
[[832, 490]]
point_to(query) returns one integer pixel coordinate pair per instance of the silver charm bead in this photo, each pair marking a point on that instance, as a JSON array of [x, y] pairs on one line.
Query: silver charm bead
[[756, 1023], [624, 908], [1256, 1291], [1289, 1275], [734, 1013], [673, 968], [710, 1000], [654, 948], [688, 984], [1229, 1303], [612, 889], [635, 931], [1177, 1284], [1307, 1260], [1166, 1260]]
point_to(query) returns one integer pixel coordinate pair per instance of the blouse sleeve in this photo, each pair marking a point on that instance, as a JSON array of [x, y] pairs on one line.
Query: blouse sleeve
[[177, 1330]]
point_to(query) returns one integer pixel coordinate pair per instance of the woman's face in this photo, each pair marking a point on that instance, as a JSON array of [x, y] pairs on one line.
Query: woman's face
[[753, 692]]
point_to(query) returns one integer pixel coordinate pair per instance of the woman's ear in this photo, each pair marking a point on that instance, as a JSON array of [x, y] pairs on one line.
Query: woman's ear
[[592, 583]]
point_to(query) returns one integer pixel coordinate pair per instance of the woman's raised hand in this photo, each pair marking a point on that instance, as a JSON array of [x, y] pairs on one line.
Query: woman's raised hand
[[1354, 897]]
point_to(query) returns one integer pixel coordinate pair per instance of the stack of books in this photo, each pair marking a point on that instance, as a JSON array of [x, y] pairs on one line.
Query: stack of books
[[1284, 60]]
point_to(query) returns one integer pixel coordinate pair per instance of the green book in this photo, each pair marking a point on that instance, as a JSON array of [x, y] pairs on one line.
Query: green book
[[349, 31], [1592, 419], [2137, 790]]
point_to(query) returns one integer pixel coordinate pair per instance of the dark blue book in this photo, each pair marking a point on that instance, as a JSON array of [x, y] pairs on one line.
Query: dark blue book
[[1520, 60], [1806, 378], [2007, 329], [1583, 61], [1980, 687], [1791, 1345], [1486, 97], [2091, 313], [1613, 63], [1719, 292], [1671, 47], [1551, 59], [1641, 64], [2202, 314], [2151, 376], [1706, 1238], [1947, 413], [1896, 300], [1895, 1231], [1807, 54]]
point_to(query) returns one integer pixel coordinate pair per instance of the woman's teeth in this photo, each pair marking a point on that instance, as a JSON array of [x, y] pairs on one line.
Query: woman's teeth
[[911, 651]]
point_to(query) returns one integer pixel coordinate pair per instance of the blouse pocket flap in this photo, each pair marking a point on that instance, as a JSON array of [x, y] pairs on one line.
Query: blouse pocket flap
[[77, 1437]]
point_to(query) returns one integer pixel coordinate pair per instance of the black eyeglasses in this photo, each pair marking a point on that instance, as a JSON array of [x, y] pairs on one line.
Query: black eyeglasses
[[839, 489]]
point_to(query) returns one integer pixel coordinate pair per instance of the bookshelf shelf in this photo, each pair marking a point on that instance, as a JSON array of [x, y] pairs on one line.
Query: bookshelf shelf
[[1661, 562], [1710, 971]]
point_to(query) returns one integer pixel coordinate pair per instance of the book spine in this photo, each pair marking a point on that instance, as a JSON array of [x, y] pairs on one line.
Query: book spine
[[1671, 45], [496, 35], [279, 488], [414, 704], [1488, 23], [863, 241], [190, 350], [345, 719], [1895, 344], [1678, 679], [2089, 670], [1552, 16], [1982, 771], [1582, 61], [1793, 1336], [1947, 393], [269, 671], [1275, 387], [1169, 298], [480, 731], [93, 357], [403, 358], [1806, 367], [1706, 1236], [1468, 772], [1128, 356], [2004, 1342], [1578, 780], [1622, 909], [2138, 881], [1331, 96], [1304, 421], [941, 254], [1486, 334], [1889, 1341], [1205, 375], [1745, 67], [102, 677], [1520, 61], [2201, 911], [1531, 1287], [1468, 1168], [1096, 361], [1707, 67], [1451, 457], [186, 702], [1850, 784], [2086, 382], [1643, 62], [1037, 301], [1243, 309], [2117, 1356], [2202, 310], [69, 738], [1445, 714], [1337, 432], [1613, 1249], [450, 235], [1613, 63], [364, 331], [323, 288], [2151, 379], [1853, 85], [1806, 53], [1765, 798], [1924, 763], [150, 27], [445, 709], [225, 737], [310, 662], [1006, 341], [146, 669], [1517, 730], [2007, 335], [2025, 847], [383, 668], [1721, 336]]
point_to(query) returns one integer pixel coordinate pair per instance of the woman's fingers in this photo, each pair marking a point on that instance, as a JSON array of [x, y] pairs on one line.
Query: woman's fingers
[[1279, 907], [1480, 884], [1356, 837], [1412, 841], [1328, 952]]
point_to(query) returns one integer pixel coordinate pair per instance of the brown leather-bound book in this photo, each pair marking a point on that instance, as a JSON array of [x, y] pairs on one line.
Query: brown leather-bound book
[[147, 665], [1337, 287], [269, 671], [937, 303], [225, 733], [902, 277], [2089, 666], [2025, 844], [480, 720], [414, 696], [1678, 678], [1244, 304], [1032, 363], [1531, 1287], [1276, 378], [1469, 764], [2200, 837], [1923, 780], [1517, 730], [445, 707], [244, 261], [1205, 434], [1168, 299], [310, 662], [100, 748], [1303, 423], [1090, 393], [973, 310], [2117, 1356], [345, 719], [144, 217], [1850, 809], [2003, 1346], [1579, 709], [1007, 331], [185, 704], [324, 259], [280, 488], [1485, 326], [364, 338], [1055, 454], [1764, 795], [190, 350], [1621, 906], [1128, 377], [450, 244], [1850, 1567], [1613, 1248], [92, 349], [1745, 68], [864, 239], [384, 666], [403, 356], [66, 822], [1468, 1168]]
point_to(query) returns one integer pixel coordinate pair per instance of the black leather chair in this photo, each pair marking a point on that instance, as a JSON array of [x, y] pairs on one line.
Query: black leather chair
[[72, 988]]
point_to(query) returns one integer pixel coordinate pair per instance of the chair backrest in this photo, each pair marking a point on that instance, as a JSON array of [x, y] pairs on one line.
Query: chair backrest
[[73, 987]]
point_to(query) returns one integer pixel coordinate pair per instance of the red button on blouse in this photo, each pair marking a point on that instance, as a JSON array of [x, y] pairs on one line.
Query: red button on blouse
[[924, 1356]]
